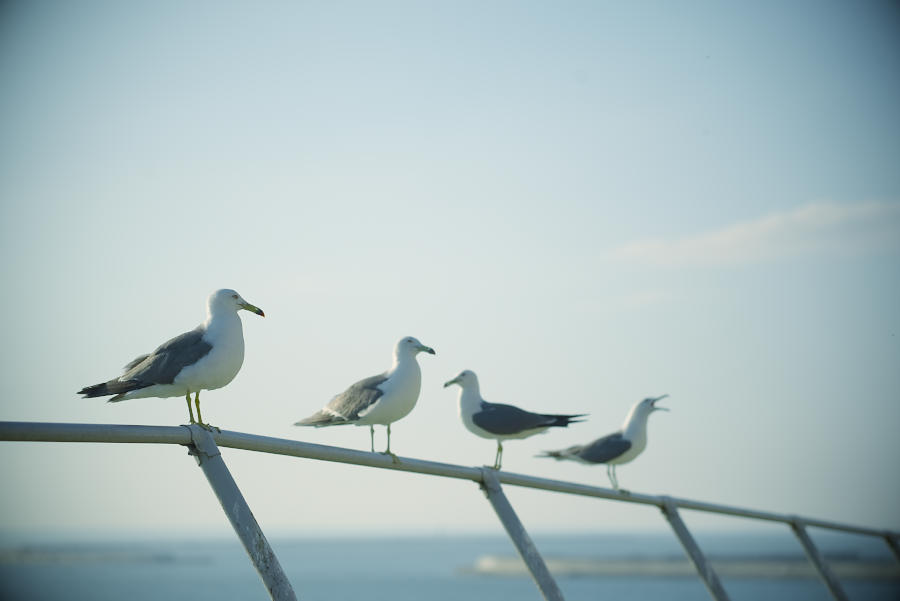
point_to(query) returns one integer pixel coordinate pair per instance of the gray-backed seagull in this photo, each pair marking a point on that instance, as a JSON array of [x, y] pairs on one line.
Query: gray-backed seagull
[[497, 421], [619, 447], [381, 399], [206, 358]]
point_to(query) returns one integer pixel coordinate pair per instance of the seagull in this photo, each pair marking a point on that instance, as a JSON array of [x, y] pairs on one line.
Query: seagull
[[497, 421], [206, 358], [619, 447], [381, 399]]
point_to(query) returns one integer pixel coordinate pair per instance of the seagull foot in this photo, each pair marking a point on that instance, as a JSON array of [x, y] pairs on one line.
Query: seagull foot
[[209, 427], [394, 458], [623, 491]]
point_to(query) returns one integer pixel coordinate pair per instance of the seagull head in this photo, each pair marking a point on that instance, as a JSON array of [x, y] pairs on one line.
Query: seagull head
[[465, 378], [229, 300], [649, 404], [410, 346]]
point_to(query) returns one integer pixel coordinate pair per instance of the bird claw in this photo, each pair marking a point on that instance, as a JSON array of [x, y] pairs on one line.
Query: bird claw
[[394, 458], [208, 427]]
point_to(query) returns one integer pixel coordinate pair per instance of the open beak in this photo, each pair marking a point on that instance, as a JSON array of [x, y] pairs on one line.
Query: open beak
[[252, 308], [655, 408], [451, 382]]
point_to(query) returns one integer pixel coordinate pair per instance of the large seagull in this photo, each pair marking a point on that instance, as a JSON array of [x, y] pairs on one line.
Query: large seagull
[[206, 358]]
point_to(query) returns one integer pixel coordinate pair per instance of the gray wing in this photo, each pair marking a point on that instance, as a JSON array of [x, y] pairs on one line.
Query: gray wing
[[358, 397], [604, 449], [133, 363], [502, 419], [162, 365]]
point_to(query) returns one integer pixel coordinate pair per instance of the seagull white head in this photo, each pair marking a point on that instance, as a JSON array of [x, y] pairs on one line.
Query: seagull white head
[[648, 405], [229, 300], [465, 379], [410, 347]]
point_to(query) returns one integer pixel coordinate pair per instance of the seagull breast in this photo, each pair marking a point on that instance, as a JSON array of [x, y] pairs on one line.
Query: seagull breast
[[224, 361], [401, 391]]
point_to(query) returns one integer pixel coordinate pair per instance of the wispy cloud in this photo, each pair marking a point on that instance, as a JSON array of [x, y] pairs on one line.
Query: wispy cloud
[[816, 229]]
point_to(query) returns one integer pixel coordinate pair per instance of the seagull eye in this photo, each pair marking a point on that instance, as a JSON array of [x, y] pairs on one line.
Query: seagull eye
[[234, 296]]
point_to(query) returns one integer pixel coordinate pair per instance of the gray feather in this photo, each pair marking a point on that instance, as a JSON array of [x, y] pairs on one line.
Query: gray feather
[[159, 367], [348, 404], [604, 449], [166, 362], [135, 361], [502, 419], [567, 453]]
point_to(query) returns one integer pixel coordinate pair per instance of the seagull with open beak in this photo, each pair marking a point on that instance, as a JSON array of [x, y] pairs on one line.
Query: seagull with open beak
[[619, 447]]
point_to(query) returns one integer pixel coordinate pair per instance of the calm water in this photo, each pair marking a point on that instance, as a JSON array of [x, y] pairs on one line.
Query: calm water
[[395, 569]]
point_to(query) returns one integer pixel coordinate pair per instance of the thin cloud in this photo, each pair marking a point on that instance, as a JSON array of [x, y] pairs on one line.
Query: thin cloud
[[816, 229]]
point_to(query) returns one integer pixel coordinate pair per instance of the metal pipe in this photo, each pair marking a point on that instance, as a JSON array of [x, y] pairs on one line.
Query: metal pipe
[[56, 432], [49, 432], [296, 448], [891, 540], [816, 558], [516, 531], [704, 568], [204, 449]]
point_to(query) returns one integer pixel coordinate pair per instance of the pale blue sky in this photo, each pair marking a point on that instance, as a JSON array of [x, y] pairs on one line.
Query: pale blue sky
[[586, 203]]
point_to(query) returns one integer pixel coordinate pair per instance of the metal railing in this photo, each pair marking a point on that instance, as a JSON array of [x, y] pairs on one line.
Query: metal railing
[[204, 446]]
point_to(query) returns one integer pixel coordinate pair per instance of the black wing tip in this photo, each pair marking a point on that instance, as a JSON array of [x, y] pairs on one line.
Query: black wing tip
[[565, 420], [550, 455], [95, 390], [319, 420], [119, 389]]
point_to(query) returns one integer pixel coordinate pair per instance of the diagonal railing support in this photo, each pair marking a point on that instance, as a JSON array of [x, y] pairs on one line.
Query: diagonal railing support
[[892, 542], [524, 545], [818, 560], [209, 458], [704, 568]]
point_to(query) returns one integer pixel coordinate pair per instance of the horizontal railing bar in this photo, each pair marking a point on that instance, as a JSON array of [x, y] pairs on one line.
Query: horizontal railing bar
[[308, 450], [57, 432], [63, 432]]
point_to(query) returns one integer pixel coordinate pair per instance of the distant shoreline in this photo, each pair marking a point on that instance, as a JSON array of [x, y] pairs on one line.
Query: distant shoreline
[[788, 567]]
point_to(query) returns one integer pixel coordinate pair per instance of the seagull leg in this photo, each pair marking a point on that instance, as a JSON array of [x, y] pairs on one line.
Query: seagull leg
[[190, 411], [499, 457], [200, 417], [372, 437], [611, 471], [387, 451]]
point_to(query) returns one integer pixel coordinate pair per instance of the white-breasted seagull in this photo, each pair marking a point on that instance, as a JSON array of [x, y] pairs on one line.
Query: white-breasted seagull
[[381, 399], [619, 447], [206, 358], [497, 421]]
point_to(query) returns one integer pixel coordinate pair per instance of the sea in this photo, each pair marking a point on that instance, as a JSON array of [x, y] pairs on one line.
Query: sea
[[427, 567]]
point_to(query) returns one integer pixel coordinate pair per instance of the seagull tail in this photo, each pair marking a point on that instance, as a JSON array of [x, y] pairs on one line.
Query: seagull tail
[[567, 453], [558, 455], [116, 387], [565, 420], [322, 418]]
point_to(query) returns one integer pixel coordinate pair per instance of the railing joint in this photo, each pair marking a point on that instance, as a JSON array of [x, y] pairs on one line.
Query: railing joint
[[668, 505], [489, 482]]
